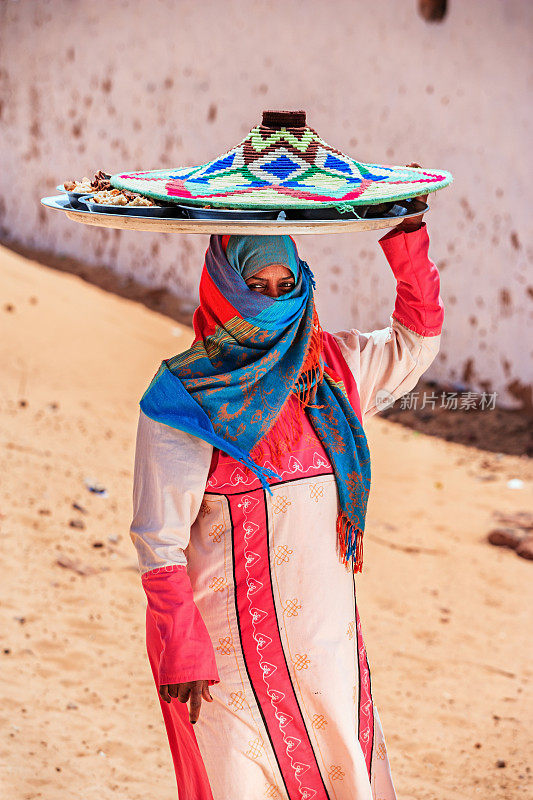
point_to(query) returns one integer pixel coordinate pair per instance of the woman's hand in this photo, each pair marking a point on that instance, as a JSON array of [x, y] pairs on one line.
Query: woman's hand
[[194, 691], [413, 223]]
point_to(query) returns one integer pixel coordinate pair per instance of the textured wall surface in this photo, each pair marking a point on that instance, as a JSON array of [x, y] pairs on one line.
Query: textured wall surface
[[146, 85]]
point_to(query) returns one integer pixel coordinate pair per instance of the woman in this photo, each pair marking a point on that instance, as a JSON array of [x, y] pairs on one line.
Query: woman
[[251, 481]]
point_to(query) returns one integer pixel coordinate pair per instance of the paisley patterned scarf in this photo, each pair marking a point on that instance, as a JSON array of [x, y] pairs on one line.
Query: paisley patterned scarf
[[252, 353]]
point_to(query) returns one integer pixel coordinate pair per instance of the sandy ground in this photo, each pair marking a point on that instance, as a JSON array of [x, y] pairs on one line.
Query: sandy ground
[[445, 615]]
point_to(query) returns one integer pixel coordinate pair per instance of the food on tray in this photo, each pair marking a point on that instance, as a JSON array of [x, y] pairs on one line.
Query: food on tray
[[104, 193], [84, 186], [116, 197], [100, 181]]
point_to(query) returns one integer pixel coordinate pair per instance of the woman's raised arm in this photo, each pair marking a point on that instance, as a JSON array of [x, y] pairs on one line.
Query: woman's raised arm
[[170, 475], [388, 363]]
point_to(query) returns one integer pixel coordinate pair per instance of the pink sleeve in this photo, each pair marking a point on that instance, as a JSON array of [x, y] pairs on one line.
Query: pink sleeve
[[187, 653], [418, 306], [170, 475]]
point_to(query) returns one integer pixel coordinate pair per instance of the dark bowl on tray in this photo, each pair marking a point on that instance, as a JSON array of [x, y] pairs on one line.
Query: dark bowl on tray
[[73, 197], [399, 208], [234, 214], [134, 211], [331, 213]]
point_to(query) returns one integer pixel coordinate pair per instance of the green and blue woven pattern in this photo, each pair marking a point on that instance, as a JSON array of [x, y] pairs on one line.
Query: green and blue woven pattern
[[284, 168]]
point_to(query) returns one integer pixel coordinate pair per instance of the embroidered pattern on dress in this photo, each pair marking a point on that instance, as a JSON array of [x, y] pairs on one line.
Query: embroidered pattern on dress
[[316, 491], [366, 709], [238, 700], [218, 584], [301, 661], [281, 504], [282, 554], [205, 508], [336, 773], [255, 748], [271, 792], [291, 607], [246, 478], [247, 504], [217, 531], [381, 752], [225, 645]]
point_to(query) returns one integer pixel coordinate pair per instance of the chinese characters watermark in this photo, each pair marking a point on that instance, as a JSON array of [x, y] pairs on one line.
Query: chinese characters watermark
[[451, 401]]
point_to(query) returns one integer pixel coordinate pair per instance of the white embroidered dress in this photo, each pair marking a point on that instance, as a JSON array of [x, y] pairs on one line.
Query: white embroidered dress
[[245, 589]]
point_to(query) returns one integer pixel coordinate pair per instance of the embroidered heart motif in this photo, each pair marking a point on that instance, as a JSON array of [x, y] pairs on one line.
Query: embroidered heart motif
[[247, 503], [258, 614], [252, 558], [300, 768], [275, 695], [318, 461], [262, 640], [249, 529], [254, 586], [292, 743], [268, 465], [283, 719], [268, 669], [295, 465], [237, 476]]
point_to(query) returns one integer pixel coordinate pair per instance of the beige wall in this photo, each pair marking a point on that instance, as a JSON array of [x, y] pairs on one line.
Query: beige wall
[[143, 85]]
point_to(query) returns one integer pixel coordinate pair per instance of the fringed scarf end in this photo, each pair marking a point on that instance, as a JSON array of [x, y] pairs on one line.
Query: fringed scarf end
[[281, 438], [350, 542]]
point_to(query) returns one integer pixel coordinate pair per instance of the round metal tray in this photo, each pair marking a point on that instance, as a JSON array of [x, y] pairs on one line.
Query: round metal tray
[[182, 225]]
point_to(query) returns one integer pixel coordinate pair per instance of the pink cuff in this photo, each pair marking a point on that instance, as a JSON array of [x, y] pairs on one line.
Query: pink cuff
[[187, 653], [418, 304]]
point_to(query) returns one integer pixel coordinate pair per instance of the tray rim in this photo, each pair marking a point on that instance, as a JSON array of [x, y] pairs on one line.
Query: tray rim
[[182, 225]]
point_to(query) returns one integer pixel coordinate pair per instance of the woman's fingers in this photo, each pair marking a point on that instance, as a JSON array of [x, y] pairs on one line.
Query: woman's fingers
[[164, 693], [184, 690], [196, 702], [206, 694], [192, 691]]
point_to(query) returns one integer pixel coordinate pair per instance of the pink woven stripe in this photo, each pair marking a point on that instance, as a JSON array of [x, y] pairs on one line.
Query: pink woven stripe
[[366, 707], [263, 651]]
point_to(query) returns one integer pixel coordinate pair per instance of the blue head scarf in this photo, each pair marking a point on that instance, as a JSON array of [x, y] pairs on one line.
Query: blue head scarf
[[250, 254]]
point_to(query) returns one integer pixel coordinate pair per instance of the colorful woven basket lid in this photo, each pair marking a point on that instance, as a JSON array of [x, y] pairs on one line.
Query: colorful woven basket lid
[[283, 163]]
